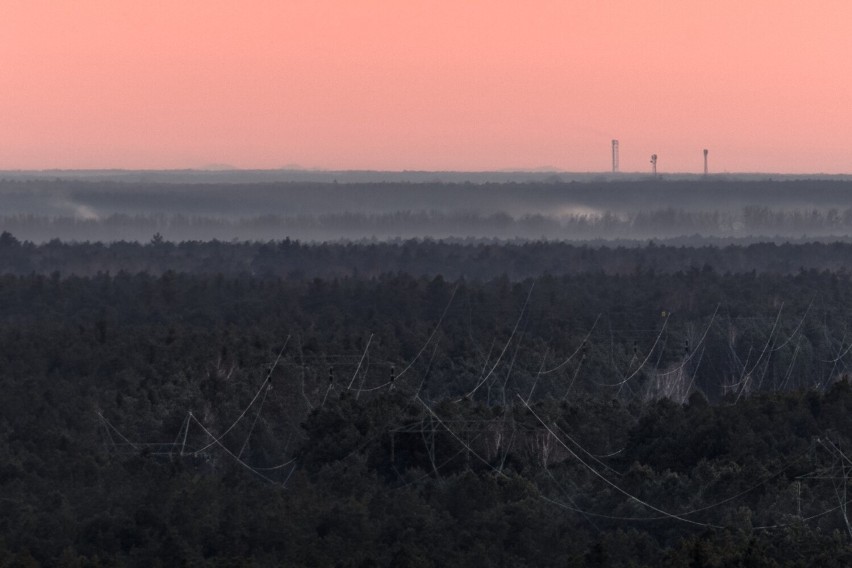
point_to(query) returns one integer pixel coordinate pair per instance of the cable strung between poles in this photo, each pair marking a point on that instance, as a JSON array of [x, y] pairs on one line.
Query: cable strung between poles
[[747, 375], [505, 347], [229, 452], [795, 331], [253, 422], [358, 368], [574, 354], [694, 349], [243, 413], [610, 483], [434, 331], [642, 365]]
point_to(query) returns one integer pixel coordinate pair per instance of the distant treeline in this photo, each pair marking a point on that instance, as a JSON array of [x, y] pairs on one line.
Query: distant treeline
[[235, 200], [752, 222], [471, 259], [76, 209]]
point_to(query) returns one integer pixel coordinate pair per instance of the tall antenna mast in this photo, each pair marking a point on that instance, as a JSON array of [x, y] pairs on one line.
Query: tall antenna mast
[[705, 161], [615, 156], [654, 164]]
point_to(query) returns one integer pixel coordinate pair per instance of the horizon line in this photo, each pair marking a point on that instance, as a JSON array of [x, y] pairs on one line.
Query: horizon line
[[537, 171]]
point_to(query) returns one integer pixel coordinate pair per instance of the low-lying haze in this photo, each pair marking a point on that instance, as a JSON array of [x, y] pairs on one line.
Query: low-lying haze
[[321, 206]]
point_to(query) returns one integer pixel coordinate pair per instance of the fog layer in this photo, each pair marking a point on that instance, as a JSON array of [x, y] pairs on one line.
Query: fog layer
[[75, 209]]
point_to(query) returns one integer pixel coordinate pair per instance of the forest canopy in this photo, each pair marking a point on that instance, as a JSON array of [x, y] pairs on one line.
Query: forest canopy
[[424, 403]]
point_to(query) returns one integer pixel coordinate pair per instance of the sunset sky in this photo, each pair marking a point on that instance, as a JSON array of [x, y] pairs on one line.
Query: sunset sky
[[765, 85]]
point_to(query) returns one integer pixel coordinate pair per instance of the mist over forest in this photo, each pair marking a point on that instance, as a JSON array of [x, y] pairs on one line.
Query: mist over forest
[[225, 206]]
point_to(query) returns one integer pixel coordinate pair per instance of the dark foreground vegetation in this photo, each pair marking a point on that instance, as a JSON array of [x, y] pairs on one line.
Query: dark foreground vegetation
[[197, 412]]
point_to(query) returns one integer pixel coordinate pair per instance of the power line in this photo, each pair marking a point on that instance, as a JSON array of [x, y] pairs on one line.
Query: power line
[[246, 409], [505, 347]]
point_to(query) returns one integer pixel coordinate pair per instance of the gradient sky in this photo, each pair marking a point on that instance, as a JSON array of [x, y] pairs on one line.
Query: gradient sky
[[439, 85]]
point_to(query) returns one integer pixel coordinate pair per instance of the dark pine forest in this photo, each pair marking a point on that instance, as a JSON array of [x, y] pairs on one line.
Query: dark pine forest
[[424, 403]]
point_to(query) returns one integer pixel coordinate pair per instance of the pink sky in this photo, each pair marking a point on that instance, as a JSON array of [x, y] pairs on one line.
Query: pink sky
[[765, 85]]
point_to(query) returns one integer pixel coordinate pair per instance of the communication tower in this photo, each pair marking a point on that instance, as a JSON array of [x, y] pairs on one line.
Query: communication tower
[[705, 161]]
